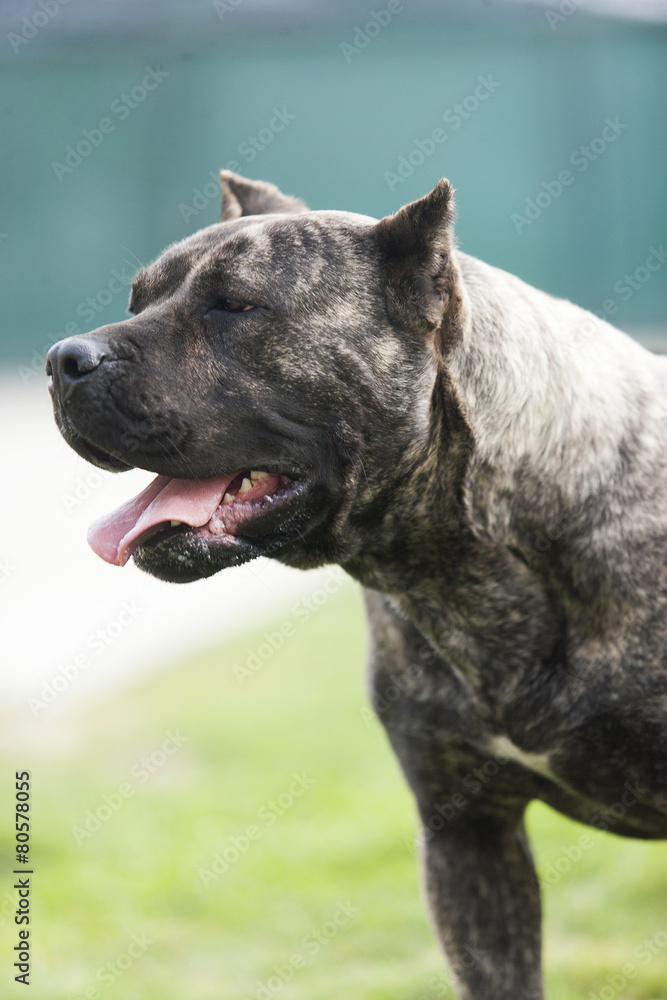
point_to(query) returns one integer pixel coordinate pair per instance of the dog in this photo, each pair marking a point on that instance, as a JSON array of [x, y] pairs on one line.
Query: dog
[[490, 464]]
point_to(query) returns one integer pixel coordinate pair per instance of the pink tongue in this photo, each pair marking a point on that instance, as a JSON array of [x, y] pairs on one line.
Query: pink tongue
[[194, 501]]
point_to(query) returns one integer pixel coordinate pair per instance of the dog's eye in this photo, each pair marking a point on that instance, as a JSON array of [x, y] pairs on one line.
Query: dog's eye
[[231, 305]]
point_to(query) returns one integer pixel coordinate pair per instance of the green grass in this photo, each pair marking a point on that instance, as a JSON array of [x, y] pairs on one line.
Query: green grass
[[345, 840]]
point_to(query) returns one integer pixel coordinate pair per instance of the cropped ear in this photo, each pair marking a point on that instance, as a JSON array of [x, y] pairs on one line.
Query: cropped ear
[[416, 246], [241, 196]]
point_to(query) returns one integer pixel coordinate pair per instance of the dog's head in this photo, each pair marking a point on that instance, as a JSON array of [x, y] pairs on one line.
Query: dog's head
[[276, 373]]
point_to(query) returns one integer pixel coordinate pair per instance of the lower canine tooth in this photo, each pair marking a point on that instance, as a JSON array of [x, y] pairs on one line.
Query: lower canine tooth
[[175, 524], [228, 498], [245, 486]]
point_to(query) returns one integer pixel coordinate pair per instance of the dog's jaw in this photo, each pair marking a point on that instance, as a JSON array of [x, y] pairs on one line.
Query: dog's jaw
[[199, 524], [183, 553]]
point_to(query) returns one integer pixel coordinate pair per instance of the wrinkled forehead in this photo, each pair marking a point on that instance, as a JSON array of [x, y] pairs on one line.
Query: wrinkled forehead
[[292, 251]]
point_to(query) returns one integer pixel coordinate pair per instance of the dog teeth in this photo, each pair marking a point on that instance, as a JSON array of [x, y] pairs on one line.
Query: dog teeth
[[256, 476], [175, 524], [228, 498], [245, 486]]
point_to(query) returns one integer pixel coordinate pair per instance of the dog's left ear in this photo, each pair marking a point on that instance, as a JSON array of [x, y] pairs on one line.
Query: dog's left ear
[[416, 247], [241, 196]]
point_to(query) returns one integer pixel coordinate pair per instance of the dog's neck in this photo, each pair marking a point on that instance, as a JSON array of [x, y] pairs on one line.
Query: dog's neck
[[550, 394], [523, 445]]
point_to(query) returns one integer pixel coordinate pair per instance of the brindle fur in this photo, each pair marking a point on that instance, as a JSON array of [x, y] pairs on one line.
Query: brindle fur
[[490, 464]]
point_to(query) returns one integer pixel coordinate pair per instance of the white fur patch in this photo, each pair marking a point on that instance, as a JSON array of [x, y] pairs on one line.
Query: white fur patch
[[501, 746]]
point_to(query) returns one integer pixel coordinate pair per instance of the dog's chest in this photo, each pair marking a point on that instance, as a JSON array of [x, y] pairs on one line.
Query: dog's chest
[[502, 748]]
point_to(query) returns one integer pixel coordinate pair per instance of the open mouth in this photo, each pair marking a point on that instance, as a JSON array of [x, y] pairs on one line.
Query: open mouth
[[215, 512]]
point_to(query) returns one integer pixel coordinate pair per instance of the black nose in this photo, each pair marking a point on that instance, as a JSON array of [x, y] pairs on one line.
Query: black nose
[[71, 360]]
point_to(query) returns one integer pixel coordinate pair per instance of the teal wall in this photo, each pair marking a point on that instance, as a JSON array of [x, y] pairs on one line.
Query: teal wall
[[63, 239]]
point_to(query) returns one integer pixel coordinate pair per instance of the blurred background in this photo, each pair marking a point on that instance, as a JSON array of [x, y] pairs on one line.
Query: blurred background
[[550, 120]]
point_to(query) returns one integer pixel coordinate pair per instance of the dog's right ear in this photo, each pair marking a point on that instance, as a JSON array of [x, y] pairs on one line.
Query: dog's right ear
[[241, 196], [416, 247]]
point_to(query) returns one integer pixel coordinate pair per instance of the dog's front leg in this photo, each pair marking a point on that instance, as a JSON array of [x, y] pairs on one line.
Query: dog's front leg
[[483, 893]]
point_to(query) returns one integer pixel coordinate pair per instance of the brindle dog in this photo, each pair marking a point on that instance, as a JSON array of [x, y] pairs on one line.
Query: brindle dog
[[489, 462]]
